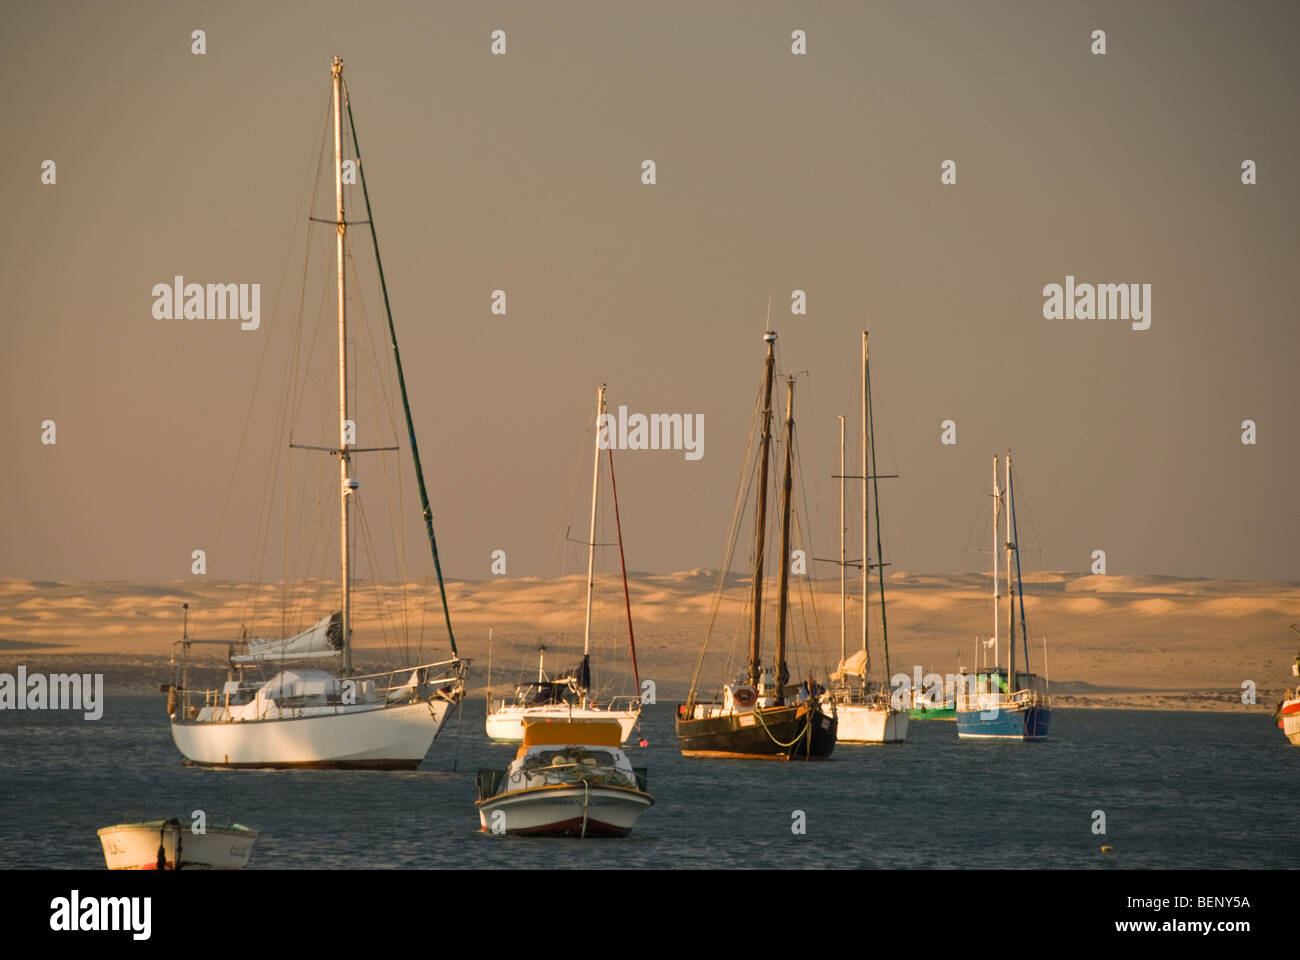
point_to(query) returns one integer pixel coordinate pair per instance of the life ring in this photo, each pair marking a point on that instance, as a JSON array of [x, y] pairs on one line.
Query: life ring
[[744, 696]]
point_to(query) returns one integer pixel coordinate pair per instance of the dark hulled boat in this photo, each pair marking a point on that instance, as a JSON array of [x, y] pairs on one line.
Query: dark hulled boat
[[792, 732], [759, 716]]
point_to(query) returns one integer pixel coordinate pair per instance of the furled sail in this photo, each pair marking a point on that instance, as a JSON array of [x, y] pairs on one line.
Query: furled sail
[[853, 666], [322, 640]]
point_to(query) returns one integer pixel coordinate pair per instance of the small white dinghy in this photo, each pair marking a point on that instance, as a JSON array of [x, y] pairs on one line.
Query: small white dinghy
[[174, 845], [569, 779]]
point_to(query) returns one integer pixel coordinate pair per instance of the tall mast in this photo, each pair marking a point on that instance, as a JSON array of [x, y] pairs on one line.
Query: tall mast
[[760, 524], [591, 545], [997, 606], [880, 552], [1011, 592], [1020, 587], [345, 482], [866, 553], [782, 674], [622, 562], [843, 567]]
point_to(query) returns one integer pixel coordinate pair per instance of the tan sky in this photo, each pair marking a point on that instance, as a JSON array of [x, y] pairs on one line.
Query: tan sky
[[775, 172]]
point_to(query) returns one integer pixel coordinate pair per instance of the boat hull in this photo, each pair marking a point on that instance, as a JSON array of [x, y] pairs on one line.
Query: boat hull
[[567, 811], [507, 724], [935, 713], [134, 846], [1291, 721], [864, 723], [799, 732], [1019, 722], [387, 738]]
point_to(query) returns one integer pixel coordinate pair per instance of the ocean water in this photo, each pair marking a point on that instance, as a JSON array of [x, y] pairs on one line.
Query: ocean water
[[1178, 789]]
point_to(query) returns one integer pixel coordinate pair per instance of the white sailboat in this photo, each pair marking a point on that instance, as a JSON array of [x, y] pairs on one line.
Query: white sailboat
[[306, 716], [864, 708], [569, 696]]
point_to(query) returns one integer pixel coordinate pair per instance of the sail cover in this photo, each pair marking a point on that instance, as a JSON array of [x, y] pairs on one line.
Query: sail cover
[[322, 640], [854, 666]]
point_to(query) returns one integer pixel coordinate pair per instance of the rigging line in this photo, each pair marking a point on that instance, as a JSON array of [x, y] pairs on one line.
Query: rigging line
[[804, 542], [382, 601], [230, 489], [623, 565], [875, 496], [401, 379], [566, 504], [395, 527], [1020, 590], [290, 410], [282, 416], [1033, 531], [743, 484]]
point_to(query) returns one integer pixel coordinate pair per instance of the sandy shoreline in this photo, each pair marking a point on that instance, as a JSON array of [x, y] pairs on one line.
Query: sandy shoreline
[[1113, 642]]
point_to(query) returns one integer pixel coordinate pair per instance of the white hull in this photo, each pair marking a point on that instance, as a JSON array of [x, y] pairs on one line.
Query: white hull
[[134, 846], [387, 737], [506, 725], [1291, 727], [551, 811], [865, 723]]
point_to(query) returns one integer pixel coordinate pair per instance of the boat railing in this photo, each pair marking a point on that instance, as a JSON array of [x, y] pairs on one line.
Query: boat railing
[[984, 699], [619, 703], [443, 680]]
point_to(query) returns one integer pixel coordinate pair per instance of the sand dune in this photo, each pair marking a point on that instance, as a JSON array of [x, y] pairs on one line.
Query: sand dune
[[1122, 640]]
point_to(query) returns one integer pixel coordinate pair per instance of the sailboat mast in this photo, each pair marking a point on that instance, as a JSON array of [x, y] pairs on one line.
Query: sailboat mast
[[1020, 587], [880, 552], [345, 481], [783, 595], [1011, 593], [866, 553], [591, 544], [760, 523], [843, 566], [997, 606]]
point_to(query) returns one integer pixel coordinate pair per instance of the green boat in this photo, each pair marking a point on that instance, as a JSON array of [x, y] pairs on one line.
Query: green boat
[[934, 713], [923, 710]]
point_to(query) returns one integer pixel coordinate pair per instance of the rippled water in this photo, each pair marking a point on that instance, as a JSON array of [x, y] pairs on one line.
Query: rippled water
[[1177, 790]]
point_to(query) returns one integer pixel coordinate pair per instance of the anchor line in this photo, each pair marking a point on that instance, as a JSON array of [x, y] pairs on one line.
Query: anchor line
[[807, 723]]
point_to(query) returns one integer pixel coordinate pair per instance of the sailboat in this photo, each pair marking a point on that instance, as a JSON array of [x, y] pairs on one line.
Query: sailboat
[[866, 712], [569, 696], [755, 718], [1002, 703], [306, 716]]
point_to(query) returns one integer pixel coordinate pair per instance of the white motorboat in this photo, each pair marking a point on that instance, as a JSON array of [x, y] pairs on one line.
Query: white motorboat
[[569, 779]]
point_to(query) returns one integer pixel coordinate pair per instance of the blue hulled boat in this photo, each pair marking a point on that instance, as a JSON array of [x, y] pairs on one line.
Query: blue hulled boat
[[1003, 703]]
